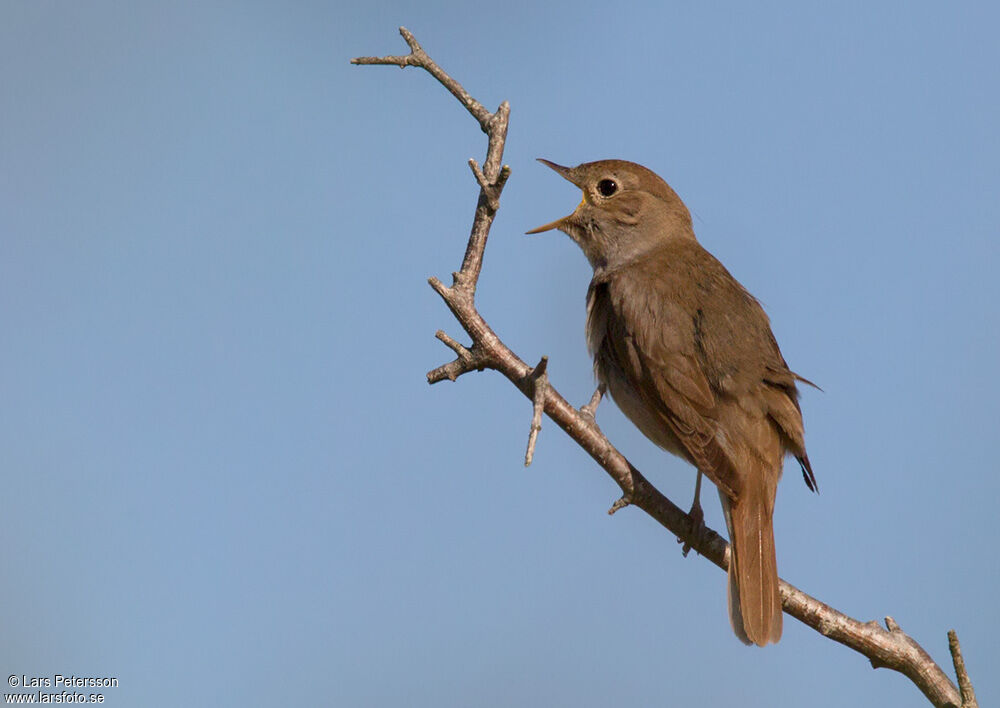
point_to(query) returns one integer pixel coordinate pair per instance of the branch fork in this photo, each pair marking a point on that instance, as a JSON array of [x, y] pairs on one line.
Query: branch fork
[[490, 189], [468, 360]]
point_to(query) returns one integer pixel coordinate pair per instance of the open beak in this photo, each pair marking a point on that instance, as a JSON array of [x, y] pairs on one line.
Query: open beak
[[566, 173], [549, 226]]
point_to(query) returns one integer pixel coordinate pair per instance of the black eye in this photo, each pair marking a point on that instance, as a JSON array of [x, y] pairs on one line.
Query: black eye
[[607, 187]]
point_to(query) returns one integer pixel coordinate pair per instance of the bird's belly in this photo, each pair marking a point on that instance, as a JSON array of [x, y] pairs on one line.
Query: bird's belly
[[646, 420]]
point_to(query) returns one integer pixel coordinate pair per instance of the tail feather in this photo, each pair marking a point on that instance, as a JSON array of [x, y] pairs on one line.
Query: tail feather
[[807, 472], [754, 600]]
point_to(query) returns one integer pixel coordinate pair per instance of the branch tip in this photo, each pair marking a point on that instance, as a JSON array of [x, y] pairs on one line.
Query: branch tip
[[480, 177], [623, 502], [964, 682], [456, 347], [440, 288], [451, 371]]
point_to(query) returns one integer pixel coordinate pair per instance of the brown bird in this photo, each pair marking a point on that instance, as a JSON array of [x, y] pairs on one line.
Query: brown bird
[[689, 357]]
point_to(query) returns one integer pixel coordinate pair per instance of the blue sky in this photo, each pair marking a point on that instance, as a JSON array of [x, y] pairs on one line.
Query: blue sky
[[227, 481]]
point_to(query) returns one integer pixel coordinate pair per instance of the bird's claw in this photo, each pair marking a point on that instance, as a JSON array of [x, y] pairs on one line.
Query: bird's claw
[[697, 530]]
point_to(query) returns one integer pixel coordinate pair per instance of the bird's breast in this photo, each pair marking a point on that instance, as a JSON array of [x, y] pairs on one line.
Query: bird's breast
[[612, 374], [649, 421]]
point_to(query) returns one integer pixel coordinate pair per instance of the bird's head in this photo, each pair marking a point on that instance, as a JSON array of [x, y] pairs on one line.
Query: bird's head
[[626, 210]]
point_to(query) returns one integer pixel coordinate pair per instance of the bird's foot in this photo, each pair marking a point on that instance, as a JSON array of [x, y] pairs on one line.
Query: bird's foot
[[696, 533]]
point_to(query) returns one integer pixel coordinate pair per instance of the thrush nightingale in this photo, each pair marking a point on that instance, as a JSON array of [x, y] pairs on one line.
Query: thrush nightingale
[[689, 357]]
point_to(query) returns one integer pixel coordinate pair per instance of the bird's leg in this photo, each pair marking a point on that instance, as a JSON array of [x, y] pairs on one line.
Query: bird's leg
[[697, 519], [590, 410]]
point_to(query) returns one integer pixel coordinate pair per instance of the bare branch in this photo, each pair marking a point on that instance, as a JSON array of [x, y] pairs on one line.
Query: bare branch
[[489, 196], [468, 360], [540, 382], [889, 648], [491, 177], [418, 57]]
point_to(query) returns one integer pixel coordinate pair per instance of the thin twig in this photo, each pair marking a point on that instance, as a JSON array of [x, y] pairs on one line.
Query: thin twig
[[964, 683], [468, 360], [890, 648], [418, 57], [590, 410], [540, 381], [619, 504]]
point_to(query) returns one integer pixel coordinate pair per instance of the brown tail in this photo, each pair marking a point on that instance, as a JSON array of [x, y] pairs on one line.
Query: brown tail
[[754, 601]]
